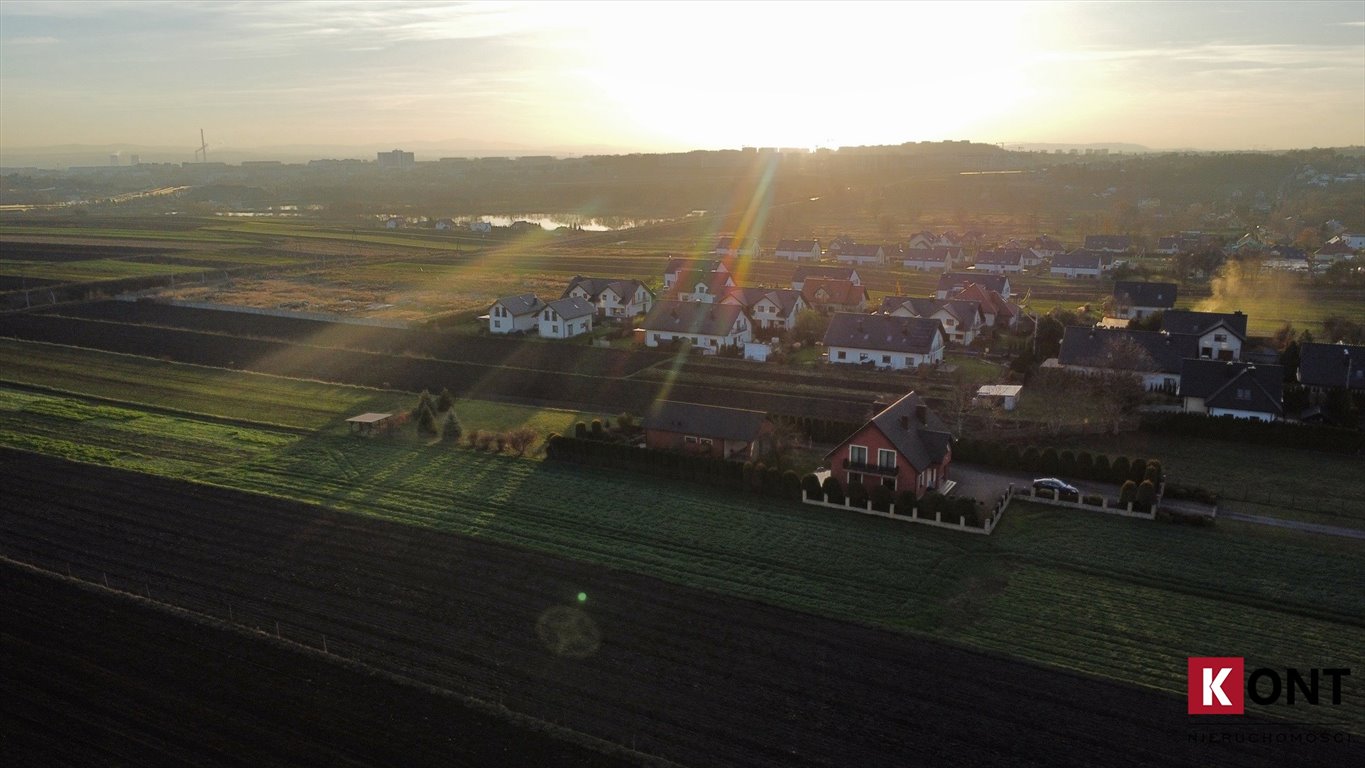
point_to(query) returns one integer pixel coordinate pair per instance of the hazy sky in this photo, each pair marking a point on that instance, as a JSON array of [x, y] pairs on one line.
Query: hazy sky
[[670, 76]]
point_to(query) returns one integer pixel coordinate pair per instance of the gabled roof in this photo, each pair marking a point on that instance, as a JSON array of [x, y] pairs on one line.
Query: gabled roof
[[885, 333], [1077, 259], [591, 285], [727, 243], [967, 313], [1138, 294], [952, 280], [799, 246], [572, 308], [1108, 242], [688, 317], [989, 301], [923, 445], [1003, 257], [1289, 253], [1049, 243], [704, 420], [1332, 365], [521, 304], [784, 298], [841, 292], [1336, 248], [1200, 323], [805, 273], [1098, 348], [1234, 385], [625, 289], [676, 265], [861, 250], [717, 283]]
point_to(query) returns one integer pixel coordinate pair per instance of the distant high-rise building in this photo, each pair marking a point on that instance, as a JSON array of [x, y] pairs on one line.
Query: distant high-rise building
[[395, 159]]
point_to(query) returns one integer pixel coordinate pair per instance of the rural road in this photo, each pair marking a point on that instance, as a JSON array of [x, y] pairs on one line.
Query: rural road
[[1330, 530]]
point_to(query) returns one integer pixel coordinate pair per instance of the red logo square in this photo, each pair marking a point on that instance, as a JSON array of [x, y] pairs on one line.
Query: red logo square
[[1216, 685]]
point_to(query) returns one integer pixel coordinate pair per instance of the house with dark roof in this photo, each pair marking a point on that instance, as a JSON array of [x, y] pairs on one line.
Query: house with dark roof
[[676, 266], [768, 308], [1286, 257], [731, 247], [1155, 357], [1078, 263], [705, 287], [834, 295], [955, 282], [711, 327], [962, 320], [804, 273], [798, 250], [515, 313], [1000, 262], [860, 253], [1108, 243], [884, 341], [566, 318], [613, 298], [996, 312], [1046, 246], [1220, 335], [905, 447], [1333, 252], [1324, 367], [937, 259], [707, 430], [1134, 299], [1229, 388]]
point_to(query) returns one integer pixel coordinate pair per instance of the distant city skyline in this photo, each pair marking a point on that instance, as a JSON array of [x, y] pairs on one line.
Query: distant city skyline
[[664, 76]]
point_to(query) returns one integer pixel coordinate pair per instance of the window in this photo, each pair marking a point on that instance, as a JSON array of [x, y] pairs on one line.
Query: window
[[886, 459], [840, 355], [547, 314], [497, 323], [857, 454], [1220, 337], [886, 359], [854, 477], [1244, 394], [889, 483], [706, 441], [689, 439]]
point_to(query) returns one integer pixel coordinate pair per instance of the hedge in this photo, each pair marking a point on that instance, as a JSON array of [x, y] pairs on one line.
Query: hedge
[[1282, 434], [678, 466], [1081, 465]]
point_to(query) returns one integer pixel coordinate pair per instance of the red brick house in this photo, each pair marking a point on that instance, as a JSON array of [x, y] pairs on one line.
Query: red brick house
[[707, 430], [905, 447]]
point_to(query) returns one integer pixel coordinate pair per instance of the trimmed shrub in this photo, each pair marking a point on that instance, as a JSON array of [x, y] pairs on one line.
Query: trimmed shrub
[[772, 481], [1138, 470], [596, 428], [1030, 459], [1146, 495], [791, 485], [1102, 468], [580, 430], [857, 495], [834, 492], [1093, 499], [520, 439], [423, 400], [445, 401], [1085, 465], [747, 472], [1013, 459], [929, 503], [811, 485], [1118, 471], [1154, 472], [1127, 493], [452, 429], [1048, 462], [426, 420], [906, 503], [1066, 463]]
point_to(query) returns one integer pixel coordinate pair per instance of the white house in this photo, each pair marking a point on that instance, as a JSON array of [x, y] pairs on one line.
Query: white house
[[1136, 299], [514, 313], [1078, 263], [1001, 262], [676, 266], [855, 253], [705, 287], [566, 318], [1228, 388], [824, 273], [711, 327], [482, 227], [961, 320], [937, 259], [798, 250], [613, 298], [883, 341], [445, 225], [1220, 335], [769, 308], [393, 222], [735, 247]]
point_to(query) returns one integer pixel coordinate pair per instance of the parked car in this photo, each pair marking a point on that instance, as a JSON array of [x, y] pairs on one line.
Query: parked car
[[1061, 490]]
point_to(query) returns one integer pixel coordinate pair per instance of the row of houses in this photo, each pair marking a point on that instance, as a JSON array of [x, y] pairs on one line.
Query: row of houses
[[573, 313]]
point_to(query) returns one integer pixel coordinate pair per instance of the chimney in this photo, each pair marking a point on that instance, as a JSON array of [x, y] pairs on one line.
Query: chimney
[[922, 413]]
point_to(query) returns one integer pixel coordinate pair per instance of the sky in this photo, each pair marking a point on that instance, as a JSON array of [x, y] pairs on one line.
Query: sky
[[663, 76]]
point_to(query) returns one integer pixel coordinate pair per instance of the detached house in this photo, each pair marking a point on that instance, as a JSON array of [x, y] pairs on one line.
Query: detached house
[[1228, 388], [903, 448], [884, 341], [834, 295], [565, 318], [995, 311], [706, 430], [705, 287], [735, 247], [962, 320], [1219, 335], [769, 308], [711, 327], [1157, 358], [855, 253], [1078, 263], [1324, 367], [798, 250], [1138, 300], [515, 313], [1004, 261], [955, 282], [940, 259], [676, 266], [801, 274], [1108, 243], [612, 298]]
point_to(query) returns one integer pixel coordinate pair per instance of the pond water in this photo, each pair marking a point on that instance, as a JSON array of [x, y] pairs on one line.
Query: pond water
[[557, 220]]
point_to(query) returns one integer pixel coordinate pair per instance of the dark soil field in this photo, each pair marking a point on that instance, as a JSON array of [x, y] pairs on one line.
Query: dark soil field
[[36, 251], [691, 676], [94, 678], [571, 376]]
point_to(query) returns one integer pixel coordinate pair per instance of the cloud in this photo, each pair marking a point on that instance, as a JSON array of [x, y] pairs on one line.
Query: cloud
[[36, 40]]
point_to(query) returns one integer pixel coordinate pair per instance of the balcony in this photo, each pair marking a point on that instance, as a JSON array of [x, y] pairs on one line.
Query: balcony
[[869, 469]]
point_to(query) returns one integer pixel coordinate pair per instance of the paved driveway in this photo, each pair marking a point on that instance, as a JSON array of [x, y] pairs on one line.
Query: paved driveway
[[987, 483]]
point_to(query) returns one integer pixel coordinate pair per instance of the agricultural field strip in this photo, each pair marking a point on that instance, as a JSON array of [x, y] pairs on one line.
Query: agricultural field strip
[[651, 548], [828, 723], [13, 233], [97, 649]]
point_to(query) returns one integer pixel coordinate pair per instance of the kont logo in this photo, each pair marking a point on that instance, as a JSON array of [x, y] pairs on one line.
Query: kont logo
[[1218, 686]]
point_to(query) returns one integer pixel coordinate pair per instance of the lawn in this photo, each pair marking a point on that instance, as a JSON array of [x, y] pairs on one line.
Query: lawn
[[1117, 598]]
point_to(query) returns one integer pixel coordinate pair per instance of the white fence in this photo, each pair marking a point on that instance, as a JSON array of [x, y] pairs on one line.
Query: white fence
[[1104, 505], [991, 520]]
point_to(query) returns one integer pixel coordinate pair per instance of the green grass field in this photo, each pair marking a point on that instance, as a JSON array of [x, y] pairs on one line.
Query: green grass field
[[1112, 597], [89, 271], [194, 236]]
